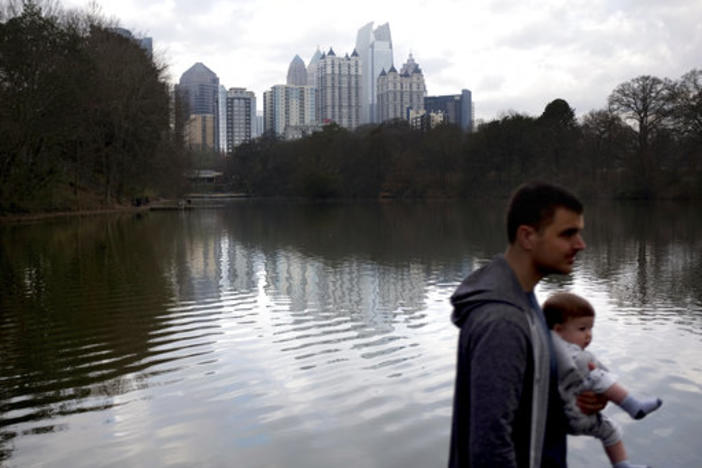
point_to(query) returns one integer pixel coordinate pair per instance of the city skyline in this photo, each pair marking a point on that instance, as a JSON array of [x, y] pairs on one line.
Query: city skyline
[[514, 56]]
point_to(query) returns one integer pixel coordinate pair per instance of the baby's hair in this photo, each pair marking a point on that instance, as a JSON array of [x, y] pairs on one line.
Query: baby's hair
[[561, 307]]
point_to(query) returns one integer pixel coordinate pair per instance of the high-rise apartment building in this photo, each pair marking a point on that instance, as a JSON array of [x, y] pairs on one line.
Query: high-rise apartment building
[[258, 126], [457, 108], [222, 119], [297, 72], [400, 92], [339, 89], [289, 111], [240, 117], [374, 47], [199, 88]]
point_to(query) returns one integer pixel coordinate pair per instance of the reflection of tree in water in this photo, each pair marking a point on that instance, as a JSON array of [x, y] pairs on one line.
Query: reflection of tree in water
[[83, 300], [649, 254], [386, 233]]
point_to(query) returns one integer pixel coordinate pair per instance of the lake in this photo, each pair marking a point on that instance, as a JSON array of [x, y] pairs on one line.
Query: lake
[[285, 334]]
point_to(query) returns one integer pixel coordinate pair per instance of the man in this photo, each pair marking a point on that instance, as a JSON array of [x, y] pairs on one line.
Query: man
[[506, 410]]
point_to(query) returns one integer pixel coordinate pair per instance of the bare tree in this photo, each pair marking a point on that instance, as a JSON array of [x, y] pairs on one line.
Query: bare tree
[[647, 101], [36, 75], [83, 106], [607, 143], [688, 104]]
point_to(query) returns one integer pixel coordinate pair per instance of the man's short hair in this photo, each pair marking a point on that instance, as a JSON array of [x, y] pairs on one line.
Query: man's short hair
[[534, 204], [561, 307]]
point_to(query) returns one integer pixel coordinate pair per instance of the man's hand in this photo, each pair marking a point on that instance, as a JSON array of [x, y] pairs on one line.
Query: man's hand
[[590, 402]]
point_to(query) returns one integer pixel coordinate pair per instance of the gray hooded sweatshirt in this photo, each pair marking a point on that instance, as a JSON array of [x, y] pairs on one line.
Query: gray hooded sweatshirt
[[502, 375]]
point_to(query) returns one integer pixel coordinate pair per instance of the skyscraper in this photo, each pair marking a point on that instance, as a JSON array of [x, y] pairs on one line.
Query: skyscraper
[[312, 68], [339, 88], [457, 108], [240, 117], [398, 93], [202, 88], [374, 48], [297, 73], [199, 87]]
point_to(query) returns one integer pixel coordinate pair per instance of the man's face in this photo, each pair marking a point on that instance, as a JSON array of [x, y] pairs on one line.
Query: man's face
[[556, 244]]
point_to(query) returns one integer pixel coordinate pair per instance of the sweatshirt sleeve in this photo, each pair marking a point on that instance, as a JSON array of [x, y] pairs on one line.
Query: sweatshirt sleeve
[[498, 354], [571, 377]]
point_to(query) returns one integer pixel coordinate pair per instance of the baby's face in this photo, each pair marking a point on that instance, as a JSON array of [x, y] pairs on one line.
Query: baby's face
[[576, 330]]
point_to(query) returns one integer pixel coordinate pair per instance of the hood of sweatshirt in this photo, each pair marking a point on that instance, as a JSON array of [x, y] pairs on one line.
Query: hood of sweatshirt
[[494, 282]]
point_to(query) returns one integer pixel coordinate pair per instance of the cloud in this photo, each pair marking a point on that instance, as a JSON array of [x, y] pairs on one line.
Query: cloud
[[491, 83], [510, 53], [433, 66]]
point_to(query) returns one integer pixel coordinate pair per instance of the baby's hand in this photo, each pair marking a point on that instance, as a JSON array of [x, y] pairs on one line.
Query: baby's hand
[[591, 365]]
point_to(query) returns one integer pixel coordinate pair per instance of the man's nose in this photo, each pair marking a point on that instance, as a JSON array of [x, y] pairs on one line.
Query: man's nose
[[579, 243]]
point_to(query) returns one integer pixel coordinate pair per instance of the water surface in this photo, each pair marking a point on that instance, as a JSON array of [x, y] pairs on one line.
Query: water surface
[[310, 335]]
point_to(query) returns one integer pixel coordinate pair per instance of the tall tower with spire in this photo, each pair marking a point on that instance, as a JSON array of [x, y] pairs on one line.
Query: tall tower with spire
[[374, 47]]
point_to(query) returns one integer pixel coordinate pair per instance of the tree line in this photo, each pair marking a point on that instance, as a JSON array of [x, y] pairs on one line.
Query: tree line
[[84, 113], [647, 143], [87, 119]]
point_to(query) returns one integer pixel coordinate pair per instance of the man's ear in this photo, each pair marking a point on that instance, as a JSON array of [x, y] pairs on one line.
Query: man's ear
[[525, 236], [558, 327]]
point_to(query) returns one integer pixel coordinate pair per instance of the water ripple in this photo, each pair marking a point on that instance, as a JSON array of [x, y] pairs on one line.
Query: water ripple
[[227, 341]]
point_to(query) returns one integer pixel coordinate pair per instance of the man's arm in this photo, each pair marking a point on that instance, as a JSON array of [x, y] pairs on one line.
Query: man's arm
[[590, 402], [498, 360]]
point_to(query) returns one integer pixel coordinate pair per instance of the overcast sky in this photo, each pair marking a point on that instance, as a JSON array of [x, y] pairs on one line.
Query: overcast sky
[[514, 55]]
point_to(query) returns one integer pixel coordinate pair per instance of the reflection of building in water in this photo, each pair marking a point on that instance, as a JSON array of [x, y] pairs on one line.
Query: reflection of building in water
[[209, 265], [354, 288], [203, 259], [241, 275], [210, 262], [291, 275]]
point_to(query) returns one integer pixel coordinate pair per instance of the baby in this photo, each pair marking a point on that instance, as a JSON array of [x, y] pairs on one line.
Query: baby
[[570, 319]]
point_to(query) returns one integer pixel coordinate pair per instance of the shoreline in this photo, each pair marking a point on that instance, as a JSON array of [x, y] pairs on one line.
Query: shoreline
[[6, 219], [31, 217]]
